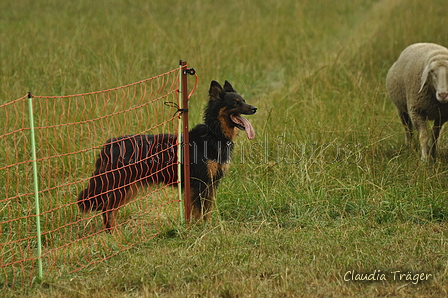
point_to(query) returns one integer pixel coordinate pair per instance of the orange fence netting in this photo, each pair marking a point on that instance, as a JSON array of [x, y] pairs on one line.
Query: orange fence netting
[[70, 132]]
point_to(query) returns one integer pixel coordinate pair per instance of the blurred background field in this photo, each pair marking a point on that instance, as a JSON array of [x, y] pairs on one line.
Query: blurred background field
[[327, 186]]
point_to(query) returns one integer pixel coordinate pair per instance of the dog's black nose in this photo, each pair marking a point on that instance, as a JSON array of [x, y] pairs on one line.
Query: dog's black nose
[[254, 110]]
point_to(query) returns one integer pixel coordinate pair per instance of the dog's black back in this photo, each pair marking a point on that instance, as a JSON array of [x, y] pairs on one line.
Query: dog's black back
[[129, 162]]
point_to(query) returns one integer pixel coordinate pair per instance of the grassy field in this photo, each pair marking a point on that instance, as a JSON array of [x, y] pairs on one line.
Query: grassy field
[[326, 191]]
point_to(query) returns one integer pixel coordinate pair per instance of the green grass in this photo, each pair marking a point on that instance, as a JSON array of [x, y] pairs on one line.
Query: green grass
[[326, 187]]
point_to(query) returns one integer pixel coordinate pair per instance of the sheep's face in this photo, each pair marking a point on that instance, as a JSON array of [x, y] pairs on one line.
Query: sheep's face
[[437, 73]]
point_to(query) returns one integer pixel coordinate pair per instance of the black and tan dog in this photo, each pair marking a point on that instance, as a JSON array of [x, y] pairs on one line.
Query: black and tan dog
[[129, 162]]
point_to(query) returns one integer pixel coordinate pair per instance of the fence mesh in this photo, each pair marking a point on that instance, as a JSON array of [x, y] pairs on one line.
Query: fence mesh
[[70, 132]]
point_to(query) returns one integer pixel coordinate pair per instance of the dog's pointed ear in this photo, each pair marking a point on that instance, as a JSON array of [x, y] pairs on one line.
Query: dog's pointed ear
[[228, 87], [215, 90]]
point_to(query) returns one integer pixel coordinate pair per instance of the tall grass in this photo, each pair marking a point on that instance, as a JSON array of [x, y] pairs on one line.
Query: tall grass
[[326, 187]]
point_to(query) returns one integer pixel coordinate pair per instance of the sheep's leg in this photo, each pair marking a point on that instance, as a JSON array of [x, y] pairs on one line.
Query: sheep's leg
[[407, 123], [420, 125], [436, 133]]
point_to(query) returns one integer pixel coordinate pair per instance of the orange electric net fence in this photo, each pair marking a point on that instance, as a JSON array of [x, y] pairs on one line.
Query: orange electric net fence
[[69, 133]]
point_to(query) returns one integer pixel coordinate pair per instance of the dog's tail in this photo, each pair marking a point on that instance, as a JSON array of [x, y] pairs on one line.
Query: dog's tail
[[85, 202], [95, 195]]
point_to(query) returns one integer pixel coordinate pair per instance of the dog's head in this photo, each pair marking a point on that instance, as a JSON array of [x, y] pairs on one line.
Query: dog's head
[[227, 106]]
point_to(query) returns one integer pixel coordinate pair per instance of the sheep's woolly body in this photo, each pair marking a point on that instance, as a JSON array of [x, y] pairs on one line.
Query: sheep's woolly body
[[417, 84]]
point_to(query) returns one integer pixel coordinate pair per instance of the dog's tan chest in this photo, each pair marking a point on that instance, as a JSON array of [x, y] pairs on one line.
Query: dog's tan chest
[[216, 169]]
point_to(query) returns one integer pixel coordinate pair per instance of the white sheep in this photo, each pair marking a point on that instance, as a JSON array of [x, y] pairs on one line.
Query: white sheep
[[417, 84]]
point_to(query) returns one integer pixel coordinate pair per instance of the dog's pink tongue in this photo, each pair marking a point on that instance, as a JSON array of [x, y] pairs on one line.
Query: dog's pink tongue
[[250, 132]]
